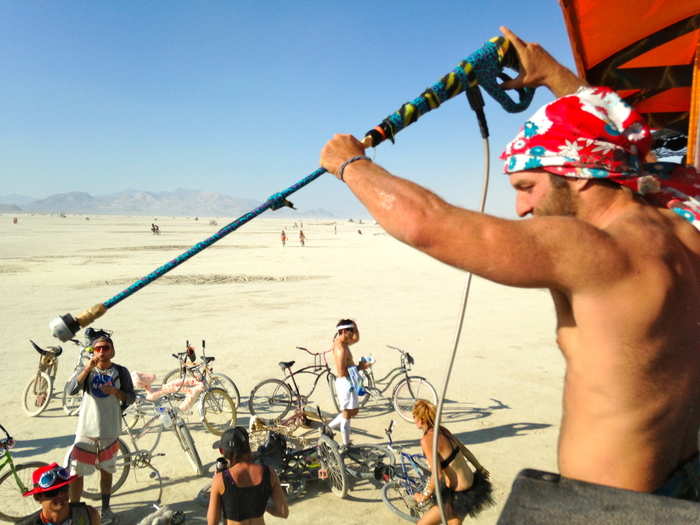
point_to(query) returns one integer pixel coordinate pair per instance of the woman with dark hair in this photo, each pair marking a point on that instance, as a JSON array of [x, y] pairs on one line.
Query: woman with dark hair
[[464, 492], [244, 489]]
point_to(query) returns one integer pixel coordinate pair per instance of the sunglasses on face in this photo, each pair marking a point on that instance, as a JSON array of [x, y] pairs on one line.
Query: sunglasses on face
[[50, 477], [101, 348]]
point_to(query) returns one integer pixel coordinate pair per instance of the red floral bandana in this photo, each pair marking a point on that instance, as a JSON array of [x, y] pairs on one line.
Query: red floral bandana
[[595, 134]]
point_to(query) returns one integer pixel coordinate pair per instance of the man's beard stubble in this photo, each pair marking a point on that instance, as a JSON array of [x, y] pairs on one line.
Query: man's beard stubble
[[560, 200]]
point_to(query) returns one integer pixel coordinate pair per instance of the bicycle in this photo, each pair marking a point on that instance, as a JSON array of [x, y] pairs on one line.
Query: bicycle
[[405, 393], [160, 417], [126, 460], [272, 399], [40, 389], [156, 417], [407, 479], [38, 392], [71, 403], [216, 379], [216, 408], [15, 482]]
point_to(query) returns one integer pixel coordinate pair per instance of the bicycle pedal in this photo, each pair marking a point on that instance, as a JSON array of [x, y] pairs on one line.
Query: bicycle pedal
[[322, 473]]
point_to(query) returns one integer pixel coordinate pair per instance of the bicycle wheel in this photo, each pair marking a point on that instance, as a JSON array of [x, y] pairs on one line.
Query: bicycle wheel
[[363, 461], [330, 459], [91, 484], [408, 391], [219, 380], [172, 376], [187, 444], [218, 411], [71, 404], [15, 507], [271, 399], [146, 431], [396, 496], [37, 394]]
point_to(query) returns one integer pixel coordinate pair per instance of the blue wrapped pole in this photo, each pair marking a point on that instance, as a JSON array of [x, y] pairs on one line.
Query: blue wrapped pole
[[482, 67]]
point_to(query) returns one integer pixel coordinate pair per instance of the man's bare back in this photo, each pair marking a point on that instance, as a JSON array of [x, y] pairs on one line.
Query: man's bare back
[[632, 348]]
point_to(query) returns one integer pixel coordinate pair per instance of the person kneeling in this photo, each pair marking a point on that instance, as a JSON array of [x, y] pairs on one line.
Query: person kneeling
[[51, 492], [463, 492], [245, 490]]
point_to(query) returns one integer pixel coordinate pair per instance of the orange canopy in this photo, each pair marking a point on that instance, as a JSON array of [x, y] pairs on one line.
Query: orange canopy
[[644, 49]]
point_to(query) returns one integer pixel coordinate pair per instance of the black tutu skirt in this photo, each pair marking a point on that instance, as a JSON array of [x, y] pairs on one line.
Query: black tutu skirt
[[472, 501]]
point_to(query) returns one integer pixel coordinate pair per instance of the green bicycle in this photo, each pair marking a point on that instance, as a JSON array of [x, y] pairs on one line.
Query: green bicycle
[[15, 482]]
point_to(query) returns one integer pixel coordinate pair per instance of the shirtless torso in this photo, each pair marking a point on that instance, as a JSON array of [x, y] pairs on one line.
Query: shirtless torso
[[632, 350]]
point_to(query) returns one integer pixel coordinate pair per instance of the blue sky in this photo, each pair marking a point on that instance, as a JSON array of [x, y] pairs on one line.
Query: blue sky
[[239, 96]]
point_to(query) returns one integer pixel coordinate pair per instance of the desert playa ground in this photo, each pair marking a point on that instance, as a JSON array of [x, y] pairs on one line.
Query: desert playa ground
[[253, 301]]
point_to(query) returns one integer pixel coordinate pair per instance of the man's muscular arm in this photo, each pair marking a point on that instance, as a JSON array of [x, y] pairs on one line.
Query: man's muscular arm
[[552, 252]]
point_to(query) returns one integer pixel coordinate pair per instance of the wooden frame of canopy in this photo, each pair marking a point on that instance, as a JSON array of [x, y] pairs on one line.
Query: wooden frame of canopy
[[648, 51]]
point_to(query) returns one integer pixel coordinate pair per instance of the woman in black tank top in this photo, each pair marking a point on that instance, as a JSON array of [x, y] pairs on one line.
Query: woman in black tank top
[[463, 491], [244, 490]]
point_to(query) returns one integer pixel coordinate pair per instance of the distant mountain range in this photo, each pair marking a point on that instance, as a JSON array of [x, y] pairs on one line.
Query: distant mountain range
[[180, 202]]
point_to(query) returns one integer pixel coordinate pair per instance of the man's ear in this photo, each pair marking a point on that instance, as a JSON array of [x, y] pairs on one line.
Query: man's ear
[[579, 185]]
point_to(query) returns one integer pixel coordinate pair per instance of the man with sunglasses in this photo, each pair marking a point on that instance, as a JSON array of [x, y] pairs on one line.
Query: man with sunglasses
[[51, 484], [107, 391]]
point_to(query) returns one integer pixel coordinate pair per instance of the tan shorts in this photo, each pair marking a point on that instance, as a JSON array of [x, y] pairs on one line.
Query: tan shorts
[[88, 454]]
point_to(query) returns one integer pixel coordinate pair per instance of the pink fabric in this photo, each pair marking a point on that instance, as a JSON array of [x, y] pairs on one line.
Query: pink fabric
[[595, 134]]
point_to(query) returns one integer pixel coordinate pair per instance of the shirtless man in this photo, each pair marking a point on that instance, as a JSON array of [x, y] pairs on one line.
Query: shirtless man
[[624, 273], [347, 334]]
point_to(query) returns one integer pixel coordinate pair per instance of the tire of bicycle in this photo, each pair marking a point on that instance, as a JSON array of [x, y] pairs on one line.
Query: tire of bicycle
[[147, 436], [402, 385], [71, 404], [278, 388], [219, 380], [14, 506], [360, 461], [172, 375], [187, 443], [361, 400], [215, 403], [330, 459], [28, 394], [394, 495], [118, 478]]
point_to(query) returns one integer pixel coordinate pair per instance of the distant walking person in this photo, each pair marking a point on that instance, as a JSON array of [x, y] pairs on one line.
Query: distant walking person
[[107, 391], [283, 238], [302, 238]]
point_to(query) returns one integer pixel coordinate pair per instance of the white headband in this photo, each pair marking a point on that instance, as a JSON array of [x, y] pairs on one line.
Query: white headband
[[345, 326]]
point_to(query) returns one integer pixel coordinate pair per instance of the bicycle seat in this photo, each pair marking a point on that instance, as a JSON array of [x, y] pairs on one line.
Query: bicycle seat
[[208, 360], [286, 364], [55, 350]]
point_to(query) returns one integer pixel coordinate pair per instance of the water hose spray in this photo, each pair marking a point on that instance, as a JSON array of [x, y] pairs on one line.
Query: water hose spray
[[483, 67]]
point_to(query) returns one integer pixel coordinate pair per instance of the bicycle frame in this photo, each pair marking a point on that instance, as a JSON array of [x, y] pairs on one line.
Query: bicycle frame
[[6, 459], [319, 369], [388, 380]]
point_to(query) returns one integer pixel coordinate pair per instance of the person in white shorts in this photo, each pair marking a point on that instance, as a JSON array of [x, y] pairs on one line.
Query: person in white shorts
[[107, 390], [347, 334]]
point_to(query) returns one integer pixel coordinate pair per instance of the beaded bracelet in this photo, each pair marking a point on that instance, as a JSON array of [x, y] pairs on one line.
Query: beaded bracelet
[[350, 161]]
